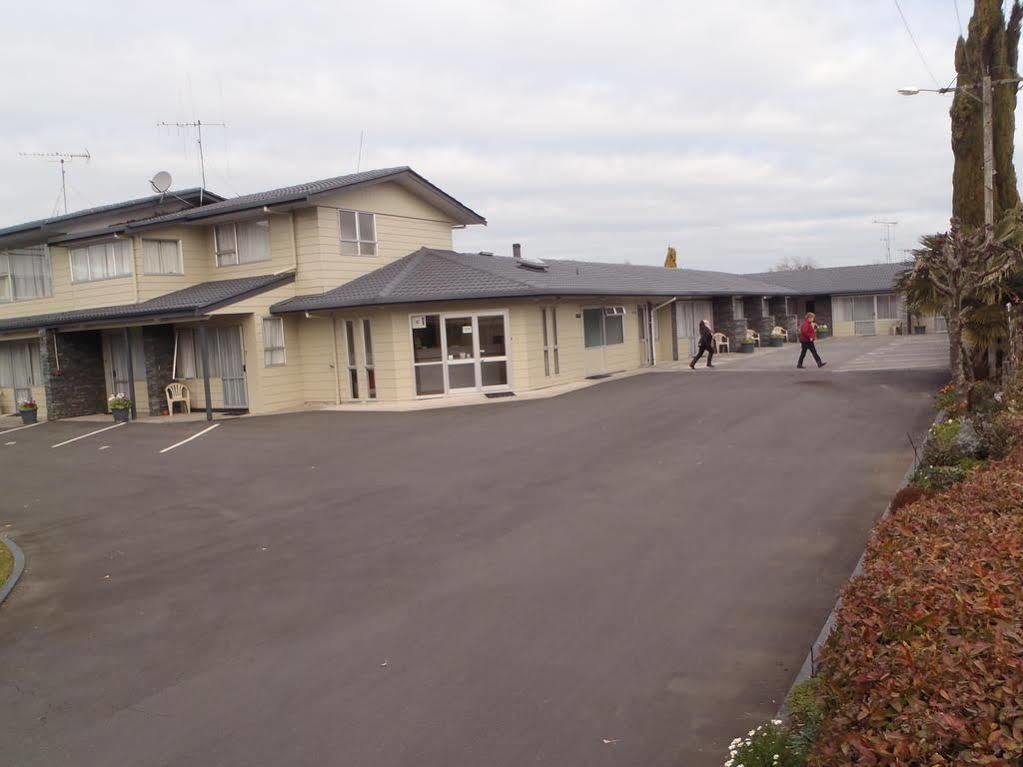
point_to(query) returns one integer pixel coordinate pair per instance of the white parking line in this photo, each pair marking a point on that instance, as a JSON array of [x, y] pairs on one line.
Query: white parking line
[[186, 441], [83, 436], [19, 428]]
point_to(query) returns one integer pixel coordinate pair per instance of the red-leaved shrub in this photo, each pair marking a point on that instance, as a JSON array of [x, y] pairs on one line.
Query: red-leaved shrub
[[907, 495], [925, 665]]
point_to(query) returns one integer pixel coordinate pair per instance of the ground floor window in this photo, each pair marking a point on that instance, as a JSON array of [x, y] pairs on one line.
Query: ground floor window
[[273, 342], [459, 352], [226, 352], [353, 370], [20, 368], [604, 326]]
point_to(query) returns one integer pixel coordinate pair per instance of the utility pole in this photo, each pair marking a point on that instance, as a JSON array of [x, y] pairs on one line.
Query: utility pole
[[887, 236], [61, 157], [198, 125]]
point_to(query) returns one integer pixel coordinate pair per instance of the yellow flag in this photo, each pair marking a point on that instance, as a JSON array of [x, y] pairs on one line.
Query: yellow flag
[[670, 261]]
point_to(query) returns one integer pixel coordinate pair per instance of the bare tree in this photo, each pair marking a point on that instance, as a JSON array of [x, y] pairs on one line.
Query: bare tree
[[795, 264]]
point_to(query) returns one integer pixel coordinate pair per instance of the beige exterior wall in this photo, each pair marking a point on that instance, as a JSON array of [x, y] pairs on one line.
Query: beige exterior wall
[[391, 329], [8, 405]]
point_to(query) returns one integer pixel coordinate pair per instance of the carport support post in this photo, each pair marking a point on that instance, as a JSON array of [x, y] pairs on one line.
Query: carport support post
[[131, 374], [204, 352]]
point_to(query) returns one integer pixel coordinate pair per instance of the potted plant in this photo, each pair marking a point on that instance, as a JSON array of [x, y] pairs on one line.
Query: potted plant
[[746, 346], [823, 331], [777, 337], [29, 411], [120, 407]]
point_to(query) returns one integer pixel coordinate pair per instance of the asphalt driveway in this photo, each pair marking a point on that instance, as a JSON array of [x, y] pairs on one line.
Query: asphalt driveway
[[626, 575]]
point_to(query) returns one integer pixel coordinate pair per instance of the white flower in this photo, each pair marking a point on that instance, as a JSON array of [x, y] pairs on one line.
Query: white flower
[[751, 733], [776, 722]]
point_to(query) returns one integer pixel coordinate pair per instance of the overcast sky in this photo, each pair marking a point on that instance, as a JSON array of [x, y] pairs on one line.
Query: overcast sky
[[737, 132]]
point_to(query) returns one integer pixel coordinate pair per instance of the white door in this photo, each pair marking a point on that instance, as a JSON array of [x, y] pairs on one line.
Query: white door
[[646, 349], [232, 365], [460, 353], [863, 315], [594, 356]]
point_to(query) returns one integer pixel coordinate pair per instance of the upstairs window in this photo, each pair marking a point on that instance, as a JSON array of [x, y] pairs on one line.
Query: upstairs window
[[101, 261], [358, 233], [24, 274], [245, 242], [161, 257]]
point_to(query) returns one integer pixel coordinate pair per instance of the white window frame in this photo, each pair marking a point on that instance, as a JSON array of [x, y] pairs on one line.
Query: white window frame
[[7, 293], [443, 362], [121, 242], [765, 306], [180, 268], [358, 241], [268, 350], [218, 254]]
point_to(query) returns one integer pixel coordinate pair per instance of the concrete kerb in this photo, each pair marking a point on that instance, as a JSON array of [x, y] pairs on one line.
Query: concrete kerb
[[16, 571], [808, 669]]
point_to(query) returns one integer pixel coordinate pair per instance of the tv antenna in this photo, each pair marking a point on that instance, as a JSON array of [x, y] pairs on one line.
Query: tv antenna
[[62, 158], [887, 240], [198, 125]]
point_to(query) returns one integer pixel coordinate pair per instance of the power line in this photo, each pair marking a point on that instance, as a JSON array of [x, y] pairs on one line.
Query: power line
[[916, 45], [959, 20]]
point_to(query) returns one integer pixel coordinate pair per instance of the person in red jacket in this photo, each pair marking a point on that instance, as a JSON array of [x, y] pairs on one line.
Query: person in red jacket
[[807, 334]]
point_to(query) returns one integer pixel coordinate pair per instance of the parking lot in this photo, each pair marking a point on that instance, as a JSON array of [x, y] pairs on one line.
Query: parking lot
[[626, 575]]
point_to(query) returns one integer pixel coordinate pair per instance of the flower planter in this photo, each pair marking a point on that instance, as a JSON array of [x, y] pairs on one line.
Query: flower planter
[[29, 416], [823, 334], [746, 348], [919, 330], [776, 341], [121, 415]]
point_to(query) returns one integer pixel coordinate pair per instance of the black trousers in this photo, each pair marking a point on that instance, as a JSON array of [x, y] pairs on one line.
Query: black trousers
[[808, 347], [709, 348]]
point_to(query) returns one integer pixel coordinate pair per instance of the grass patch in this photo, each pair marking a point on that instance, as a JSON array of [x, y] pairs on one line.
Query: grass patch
[[6, 563]]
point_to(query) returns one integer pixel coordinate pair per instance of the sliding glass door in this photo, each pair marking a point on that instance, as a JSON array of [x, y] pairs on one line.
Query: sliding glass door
[[459, 352]]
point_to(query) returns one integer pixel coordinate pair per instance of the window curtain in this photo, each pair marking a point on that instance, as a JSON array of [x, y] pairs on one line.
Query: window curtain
[[160, 257], [273, 341], [6, 367], [253, 241]]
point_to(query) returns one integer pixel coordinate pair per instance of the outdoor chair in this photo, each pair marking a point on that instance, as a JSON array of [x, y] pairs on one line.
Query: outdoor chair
[[780, 331], [753, 336], [178, 392], [721, 343]]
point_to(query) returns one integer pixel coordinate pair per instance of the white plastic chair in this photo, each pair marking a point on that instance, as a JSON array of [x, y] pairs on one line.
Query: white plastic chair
[[780, 332], [178, 392], [721, 342], [754, 336]]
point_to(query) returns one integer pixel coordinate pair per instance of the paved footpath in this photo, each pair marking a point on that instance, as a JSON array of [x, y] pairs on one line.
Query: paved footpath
[[927, 352]]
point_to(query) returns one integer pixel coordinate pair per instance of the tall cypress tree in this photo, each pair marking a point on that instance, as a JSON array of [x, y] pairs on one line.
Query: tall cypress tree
[[991, 46]]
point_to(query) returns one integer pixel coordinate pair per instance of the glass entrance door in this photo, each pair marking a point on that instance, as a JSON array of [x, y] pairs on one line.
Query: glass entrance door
[[863, 315], [460, 353], [469, 353]]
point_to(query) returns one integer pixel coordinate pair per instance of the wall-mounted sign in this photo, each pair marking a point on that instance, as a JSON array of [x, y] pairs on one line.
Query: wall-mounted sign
[[419, 322], [467, 330]]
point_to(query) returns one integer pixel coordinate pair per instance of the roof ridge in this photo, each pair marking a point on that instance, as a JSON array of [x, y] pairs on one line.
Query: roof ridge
[[410, 261], [445, 254]]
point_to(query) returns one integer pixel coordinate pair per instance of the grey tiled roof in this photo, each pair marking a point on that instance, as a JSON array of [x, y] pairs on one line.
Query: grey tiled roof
[[192, 192], [298, 193], [838, 280], [190, 301], [443, 275]]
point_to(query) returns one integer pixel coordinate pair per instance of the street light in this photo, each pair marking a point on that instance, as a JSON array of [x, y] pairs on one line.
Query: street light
[[989, 141]]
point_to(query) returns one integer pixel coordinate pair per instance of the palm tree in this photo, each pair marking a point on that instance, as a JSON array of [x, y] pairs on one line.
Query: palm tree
[[960, 271]]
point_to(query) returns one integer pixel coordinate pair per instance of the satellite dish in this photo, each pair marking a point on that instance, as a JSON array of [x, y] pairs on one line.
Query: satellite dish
[[161, 182]]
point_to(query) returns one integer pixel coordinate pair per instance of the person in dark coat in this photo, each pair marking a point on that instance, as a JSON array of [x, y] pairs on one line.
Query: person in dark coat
[[706, 345], [807, 335]]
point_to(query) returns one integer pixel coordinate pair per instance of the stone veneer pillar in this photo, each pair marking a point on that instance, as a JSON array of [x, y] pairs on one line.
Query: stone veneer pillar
[[78, 385], [725, 322]]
